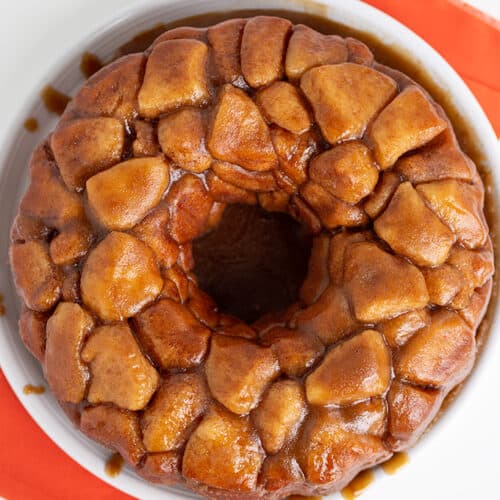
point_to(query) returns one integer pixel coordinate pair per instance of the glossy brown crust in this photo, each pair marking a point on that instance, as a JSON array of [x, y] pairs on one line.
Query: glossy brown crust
[[144, 161]]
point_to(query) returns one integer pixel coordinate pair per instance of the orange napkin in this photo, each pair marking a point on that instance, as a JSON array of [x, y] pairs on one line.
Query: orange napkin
[[32, 467]]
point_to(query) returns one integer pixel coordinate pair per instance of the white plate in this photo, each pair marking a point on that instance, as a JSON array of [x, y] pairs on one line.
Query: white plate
[[456, 460]]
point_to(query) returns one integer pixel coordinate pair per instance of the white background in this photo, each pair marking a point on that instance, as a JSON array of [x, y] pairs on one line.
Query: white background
[[461, 458]]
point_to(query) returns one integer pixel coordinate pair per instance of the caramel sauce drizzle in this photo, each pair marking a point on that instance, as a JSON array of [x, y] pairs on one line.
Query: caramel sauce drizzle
[[358, 484], [2, 306], [33, 389], [114, 465], [54, 100], [31, 124], [90, 64], [142, 40], [395, 463]]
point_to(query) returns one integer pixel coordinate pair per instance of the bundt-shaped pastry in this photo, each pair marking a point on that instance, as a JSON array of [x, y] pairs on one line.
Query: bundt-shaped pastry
[[144, 161]]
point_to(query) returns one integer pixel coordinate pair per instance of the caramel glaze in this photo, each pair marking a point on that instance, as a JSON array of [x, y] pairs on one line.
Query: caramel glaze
[[33, 389], [31, 124], [2, 306], [114, 465], [54, 101], [395, 463], [393, 57], [358, 484], [143, 40], [90, 64]]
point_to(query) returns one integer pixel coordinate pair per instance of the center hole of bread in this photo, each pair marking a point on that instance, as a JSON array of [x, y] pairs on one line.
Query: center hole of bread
[[253, 262]]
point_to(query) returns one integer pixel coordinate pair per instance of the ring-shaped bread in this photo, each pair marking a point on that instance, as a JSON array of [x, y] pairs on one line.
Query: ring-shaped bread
[[144, 161]]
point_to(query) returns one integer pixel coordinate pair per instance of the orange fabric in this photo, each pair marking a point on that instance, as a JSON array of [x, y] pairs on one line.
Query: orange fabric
[[32, 467]]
